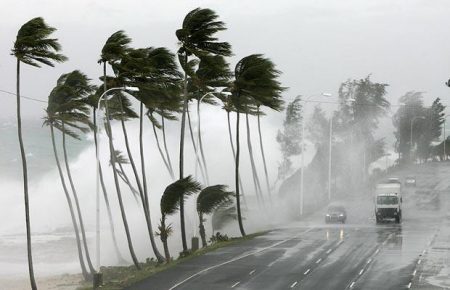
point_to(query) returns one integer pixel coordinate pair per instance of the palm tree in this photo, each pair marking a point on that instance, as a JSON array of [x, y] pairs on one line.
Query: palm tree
[[33, 47], [54, 118], [254, 77], [196, 37], [73, 113], [210, 199], [170, 204], [112, 52]]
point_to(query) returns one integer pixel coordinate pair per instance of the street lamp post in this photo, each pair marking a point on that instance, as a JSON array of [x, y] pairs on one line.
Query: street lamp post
[[97, 154], [303, 150], [411, 134]]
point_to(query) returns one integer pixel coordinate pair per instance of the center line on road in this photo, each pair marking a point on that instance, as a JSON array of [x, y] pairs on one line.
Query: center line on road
[[360, 272], [235, 284], [293, 284], [329, 250], [376, 252], [414, 273], [307, 271], [370, 260], [353, 284], [253, 271], [409, 285], [318, 261], [418, 262]]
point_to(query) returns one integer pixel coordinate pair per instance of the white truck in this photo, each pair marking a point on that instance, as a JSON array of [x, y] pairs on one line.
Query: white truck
[[388, 202]]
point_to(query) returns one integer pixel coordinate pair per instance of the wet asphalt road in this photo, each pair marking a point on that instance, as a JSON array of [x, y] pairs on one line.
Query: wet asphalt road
[[314, 255]]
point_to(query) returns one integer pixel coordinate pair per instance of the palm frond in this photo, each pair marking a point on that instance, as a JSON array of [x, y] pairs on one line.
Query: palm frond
[[33, 45], [213, 197], [170, 200]]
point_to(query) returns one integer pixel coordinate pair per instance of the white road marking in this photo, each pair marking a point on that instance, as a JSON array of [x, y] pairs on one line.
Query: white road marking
[[318, 261], [418, 262], [376, 252], [409, 285], [329, 251], [414, 273], [307, 271], [370, 260], [251, 272], [235, 284], [360, 272], [353, 284], [293, 284], [424, 251], [271, 264], [238, 258]]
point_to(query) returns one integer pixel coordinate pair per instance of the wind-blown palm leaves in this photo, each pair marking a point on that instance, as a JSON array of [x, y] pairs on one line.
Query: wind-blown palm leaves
[[208, 200], [33, 46], [68, 112], [171, 201], [255, 78], [196, 38]]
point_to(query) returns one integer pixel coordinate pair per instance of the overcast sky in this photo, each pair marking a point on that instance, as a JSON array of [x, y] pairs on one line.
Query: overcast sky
[[317, 44]]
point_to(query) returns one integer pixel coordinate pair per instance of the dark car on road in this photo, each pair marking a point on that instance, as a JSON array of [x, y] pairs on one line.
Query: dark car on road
[[335, 214], [410, 181]]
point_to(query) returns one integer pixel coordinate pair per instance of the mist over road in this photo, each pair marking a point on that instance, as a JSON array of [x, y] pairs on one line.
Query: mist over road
[[357, 255]]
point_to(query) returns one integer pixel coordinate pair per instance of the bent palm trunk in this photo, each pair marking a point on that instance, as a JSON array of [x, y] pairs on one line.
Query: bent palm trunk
[[69, 203], [202, 231], [236, 177], [119, 194], [25, 181], [263, 156], [252, 162], [197, 158], [200, 144], [234, 156], [169, 169], [77, 204], [105, 195], [144, 182], [181, 161], [165, 146]]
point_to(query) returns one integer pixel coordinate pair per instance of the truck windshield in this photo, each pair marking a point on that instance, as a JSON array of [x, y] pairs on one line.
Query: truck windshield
[[387, 200]]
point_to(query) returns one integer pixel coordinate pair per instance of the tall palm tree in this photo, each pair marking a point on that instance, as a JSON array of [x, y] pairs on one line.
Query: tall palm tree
[[33, 47], [74, 114], [254, 76], [113, 51], [170, 204], [210, 199], [196, 37], [58, 102]]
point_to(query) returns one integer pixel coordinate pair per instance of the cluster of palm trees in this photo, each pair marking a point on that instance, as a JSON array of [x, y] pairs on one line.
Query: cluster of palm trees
[[163, 92]]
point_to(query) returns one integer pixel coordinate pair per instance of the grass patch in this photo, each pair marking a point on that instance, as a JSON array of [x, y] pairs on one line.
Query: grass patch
[[119, 277]]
